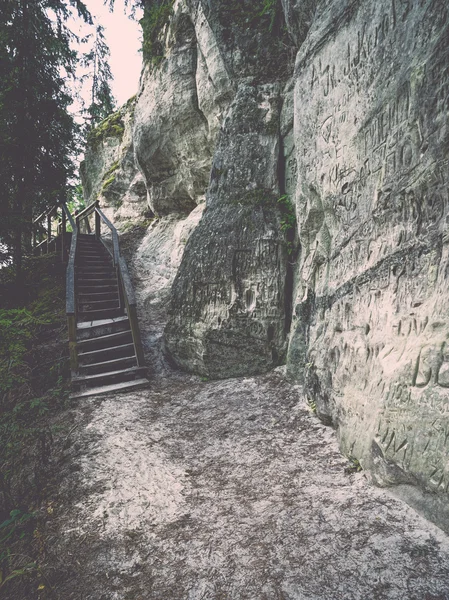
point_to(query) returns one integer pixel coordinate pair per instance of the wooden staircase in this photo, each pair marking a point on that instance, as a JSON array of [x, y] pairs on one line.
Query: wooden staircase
[[106, 354], [107, 360]]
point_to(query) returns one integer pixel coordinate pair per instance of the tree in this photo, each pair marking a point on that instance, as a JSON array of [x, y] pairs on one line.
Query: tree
[[102, 102], [37, 132]]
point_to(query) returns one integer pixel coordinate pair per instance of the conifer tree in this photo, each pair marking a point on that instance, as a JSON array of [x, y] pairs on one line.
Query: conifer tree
[[102, 102], [37, 133]]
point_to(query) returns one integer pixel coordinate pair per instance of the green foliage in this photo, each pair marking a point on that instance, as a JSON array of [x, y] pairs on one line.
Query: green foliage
[[269, 9], [108, 182], [13, 531], [155, 17], [115, 165], [33, 388], [75, 201], [102, 102], [16, 326], [112, 126], [312, 405], [354, 466], [37, 131]]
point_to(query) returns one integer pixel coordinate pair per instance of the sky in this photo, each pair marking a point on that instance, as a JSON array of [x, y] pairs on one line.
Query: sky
[[123, 37]]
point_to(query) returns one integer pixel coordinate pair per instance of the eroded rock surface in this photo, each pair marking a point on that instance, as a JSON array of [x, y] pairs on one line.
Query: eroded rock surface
[[179, 111], [109, 173], [370, 333], [357, 136], [158, 256], [228, 303]]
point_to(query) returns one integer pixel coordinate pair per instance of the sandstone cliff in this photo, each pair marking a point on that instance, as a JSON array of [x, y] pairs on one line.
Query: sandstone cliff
[[335, 112]]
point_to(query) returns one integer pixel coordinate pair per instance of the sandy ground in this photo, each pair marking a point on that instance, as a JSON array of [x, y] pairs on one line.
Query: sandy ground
[[228, 490]]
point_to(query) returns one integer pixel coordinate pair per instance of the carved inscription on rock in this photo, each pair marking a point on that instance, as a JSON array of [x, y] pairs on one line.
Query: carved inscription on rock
[[372, 150]]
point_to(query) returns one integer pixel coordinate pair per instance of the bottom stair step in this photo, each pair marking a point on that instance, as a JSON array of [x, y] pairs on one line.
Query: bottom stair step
[[100, 379], [114, 388], [108, 365]]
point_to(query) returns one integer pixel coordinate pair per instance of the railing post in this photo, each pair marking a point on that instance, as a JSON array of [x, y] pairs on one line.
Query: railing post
[[134, 323], [63, 231], [121, 295], [97, 225], [34, 236], [48, 233], [71, 323]]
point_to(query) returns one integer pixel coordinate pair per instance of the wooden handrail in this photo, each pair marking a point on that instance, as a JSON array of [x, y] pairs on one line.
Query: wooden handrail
[[42, 227], [125, 287], [126, 291], [46, 213], [115, 242], [86, 211]]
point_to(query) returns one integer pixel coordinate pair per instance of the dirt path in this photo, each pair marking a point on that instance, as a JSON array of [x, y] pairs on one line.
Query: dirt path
[[228, 490]]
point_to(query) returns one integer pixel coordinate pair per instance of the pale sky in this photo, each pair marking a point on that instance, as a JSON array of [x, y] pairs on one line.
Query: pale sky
[[123, 37]]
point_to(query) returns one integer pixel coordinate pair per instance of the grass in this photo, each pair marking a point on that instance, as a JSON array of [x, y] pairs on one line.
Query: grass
[[33, 390]]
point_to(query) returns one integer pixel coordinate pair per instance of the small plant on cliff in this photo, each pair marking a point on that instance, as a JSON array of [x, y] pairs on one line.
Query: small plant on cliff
[[155, 18], [354, 466], [115, 165], [109, 176], [270, 9], [112, 126]]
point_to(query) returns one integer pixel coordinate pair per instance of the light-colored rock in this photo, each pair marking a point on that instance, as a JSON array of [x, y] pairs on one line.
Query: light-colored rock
[[370, 328], [179, 112], [228, 304], [159, 255], [109, 173], [358, 139]]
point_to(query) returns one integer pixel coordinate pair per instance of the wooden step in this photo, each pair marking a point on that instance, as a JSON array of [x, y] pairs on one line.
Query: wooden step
[[93, 255], [78, 382], [105, 341], [105, 354], [95, 305], [94, 261], [94, 296], [83, 270], [95, 329], [108, 365], [115, 388], [89, 281], [92, 287], [92, 315]]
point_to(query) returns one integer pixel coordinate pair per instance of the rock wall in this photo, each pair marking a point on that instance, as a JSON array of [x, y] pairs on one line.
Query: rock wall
[[229, 309], [179, 111], [370, 327], [228, 302], [109, 173], [355, 133]]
